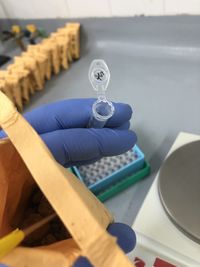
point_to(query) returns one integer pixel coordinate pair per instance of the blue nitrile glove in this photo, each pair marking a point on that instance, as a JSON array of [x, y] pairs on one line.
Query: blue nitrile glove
[[126, 239], [63, 127]]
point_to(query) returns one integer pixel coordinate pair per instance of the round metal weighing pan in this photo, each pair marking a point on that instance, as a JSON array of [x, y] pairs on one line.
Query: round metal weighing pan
[[179, 189]]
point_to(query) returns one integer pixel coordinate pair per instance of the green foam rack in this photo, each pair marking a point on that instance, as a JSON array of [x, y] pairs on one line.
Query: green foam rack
[[124, 183]]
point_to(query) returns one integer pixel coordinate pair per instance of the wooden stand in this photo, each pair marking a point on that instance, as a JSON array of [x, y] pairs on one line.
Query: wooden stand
[[33, 67]]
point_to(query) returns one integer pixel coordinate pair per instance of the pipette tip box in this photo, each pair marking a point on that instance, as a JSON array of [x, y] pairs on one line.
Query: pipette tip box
[[110, 175]]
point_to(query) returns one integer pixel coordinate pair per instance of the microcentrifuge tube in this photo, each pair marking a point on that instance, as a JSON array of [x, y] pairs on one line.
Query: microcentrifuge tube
[[102, 109]]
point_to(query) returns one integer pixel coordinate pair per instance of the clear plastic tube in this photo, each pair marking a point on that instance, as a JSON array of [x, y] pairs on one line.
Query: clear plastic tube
[[102, 109]]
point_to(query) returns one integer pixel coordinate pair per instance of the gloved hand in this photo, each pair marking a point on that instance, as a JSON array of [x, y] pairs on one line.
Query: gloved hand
[[126, 239], [62, 126]]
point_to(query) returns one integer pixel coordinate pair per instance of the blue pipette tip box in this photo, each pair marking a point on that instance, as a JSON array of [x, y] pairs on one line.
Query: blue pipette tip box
[[108, 171]]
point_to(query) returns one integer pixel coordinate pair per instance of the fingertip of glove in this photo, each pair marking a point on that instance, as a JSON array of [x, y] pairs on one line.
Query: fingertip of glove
[[132, 137], [126, 237], [2, 134], [124, 108], [82, 262], [123, 113], [129, 139]]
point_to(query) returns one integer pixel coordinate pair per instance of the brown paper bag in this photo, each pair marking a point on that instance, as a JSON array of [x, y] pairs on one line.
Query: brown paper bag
[[47, 52], [6, 89], [44, 59], [32, 81], [13, 82], [80, 211], [16, 185], [34, 64], [74, 33], [31, 65], [53, 48], [24, 76], [3, 74], [65, 33], [63, 44], [41, 60], [12, 88]]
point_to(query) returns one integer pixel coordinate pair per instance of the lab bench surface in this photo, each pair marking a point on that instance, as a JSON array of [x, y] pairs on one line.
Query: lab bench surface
[[155, 67]]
